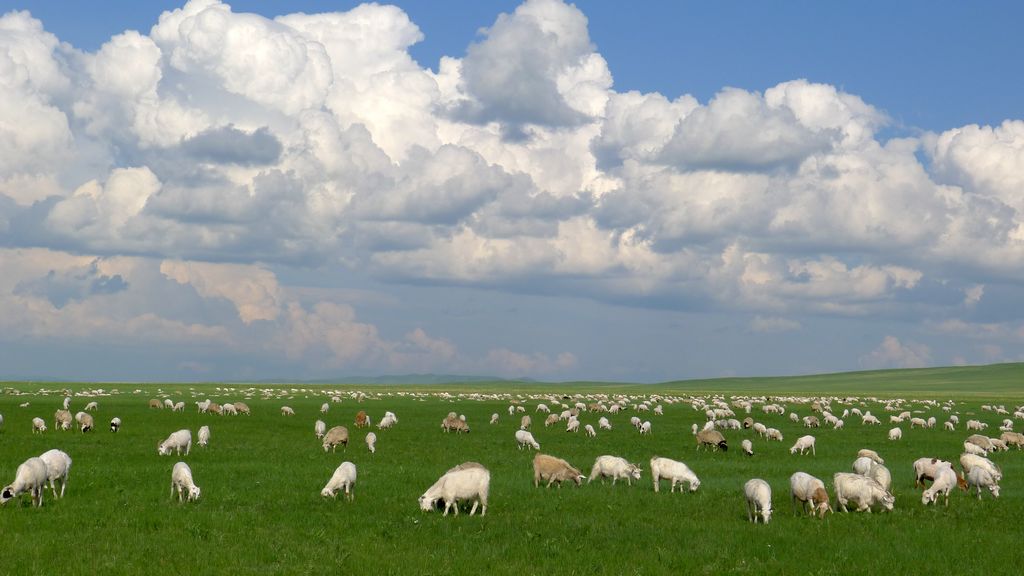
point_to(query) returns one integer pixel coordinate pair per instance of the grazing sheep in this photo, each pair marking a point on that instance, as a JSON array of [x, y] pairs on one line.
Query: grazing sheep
[[712, 438], [870, 419], [918, 422], [180, 407], [590, 430], [387, 421], [970, 462], [945, 481], [759, 500], [62, 420], [344, 478], [115, 424], [866, 453], [494, 418], [811, 422], [168, 403], [573, 425], [551, 419], [511, 410], [176, 441], [948, 425], [809, 490], [635, 422], [603, 423], [970, 448], [319, 428], [85, 423], [862, 465], [67, 402], [1012, 439], [525, 422], [58, 465], [998, 445], [469, 481], [214, 408], [29, 477], [747, 446], [525, 438], [456, 424], [976, 425], [980, 478], [181, 479], [371, 442], [757, 427], [202, 407], [861, 490], [324, 408], [895, 434], [38, 426], [881, 474], [243, 408], [91, 406], [925, 470], [554, 469], [614, 467], [980, 441], [287, 411], [335, 436], [773, 434], [645, 428], [204, 435], [675, 471], [227, 408], [543, 408], [802, 444]]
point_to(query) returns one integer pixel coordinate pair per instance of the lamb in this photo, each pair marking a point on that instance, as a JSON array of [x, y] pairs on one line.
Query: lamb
[[62, 420], [287, 411], [895, 434], [866, 453], [945, 480], [319, 428], [344, 478], [759, 500], [712, 438], [970, 461], [525, 422], [645, 428], [29, 477], [809, 490], [176, 441], [554, 469], [862, 490], [204, 435], [91, 406], [115, 424], [589, 430], [802, 444], [38, 426], [58, 465], [614, 468], [371, 442], [675, 471], [181, 479], [603, 423], [525, 438], [747, 446], [465, 482], [335, 436], [980, 478]]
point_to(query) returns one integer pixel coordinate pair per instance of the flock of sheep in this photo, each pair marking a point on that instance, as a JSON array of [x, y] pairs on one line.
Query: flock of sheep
[[868, 485]]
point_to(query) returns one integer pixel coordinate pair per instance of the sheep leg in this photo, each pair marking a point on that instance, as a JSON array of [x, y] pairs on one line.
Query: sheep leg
[[473, 509], [813, 453], [63, 485]]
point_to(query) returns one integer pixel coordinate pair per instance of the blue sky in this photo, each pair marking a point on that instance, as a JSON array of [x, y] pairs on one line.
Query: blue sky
[[559, 191]]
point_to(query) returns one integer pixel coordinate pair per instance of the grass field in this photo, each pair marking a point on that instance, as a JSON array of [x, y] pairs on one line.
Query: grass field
[[261, 511]]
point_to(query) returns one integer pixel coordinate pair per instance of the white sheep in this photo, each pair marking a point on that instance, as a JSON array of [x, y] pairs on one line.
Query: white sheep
[[344, 478], [747, 446], [371, 442], [970, 448], [573, 425], [759, 500], [58, 465], [494, 418], [675, 471], [802, 444], [862, 490], [971, 461], [895, 434], [949, 426], [773, 434], [38, 426], [945, 481], [287, 411], [319, 428], [387, 421], [976, 425], [324, 408], [29, 477], [980, 478], [229, 409], [67, 402], [866, 453], [614, 467], [807, 489], [469, 481], [603, 423], [181, 480], [645, 428], [862, 465], [590, 430], [180, 407], [176, 441], [91, 406], [524, 438], [115, 424], [204, 436], [543, 408]]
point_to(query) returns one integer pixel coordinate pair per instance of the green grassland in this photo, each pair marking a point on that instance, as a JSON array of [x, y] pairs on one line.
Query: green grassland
[[261, 511]]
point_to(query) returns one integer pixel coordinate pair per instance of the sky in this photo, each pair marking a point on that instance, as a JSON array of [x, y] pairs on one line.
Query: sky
[[307, 190]]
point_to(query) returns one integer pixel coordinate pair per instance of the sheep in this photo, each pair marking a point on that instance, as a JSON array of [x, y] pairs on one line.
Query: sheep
[[1012, 439], [802, 444], [870, 419], [895, 434], [324, 408], [589, 430], [29, 477], [85, 423], [773, 434], [747, 446], [227, 408], [603, 423], [456, 424], [525, 422], [976, 425], [862, 490], [880, 474], [38, 426], [543, 408], [635, 422], [176, 441], [204, 435], [202, 407], [67, 402], [811, 422], [319, 428], [525, 438], [645, 428], [998, 445], [344, 478], [335, 436], [949, 426], [945, 480], [614, 468], [494, 418], [91, 406], [58, 465], [980, 478], [243, 408], [181, 479], [809, 490], [287, 411], [925, 469], [180, 407], [759, 500], [712, 438], [757, 427], [980, 441], [115, 424], [675, 471], [511, 410], [970, 461], [62, 420], [387, 421], [168, 403], [551, 419], [371, 442], [553, 470], [862, 465], [469, 481], [573, 425], [214, 408], [970, 448], [866, 453]]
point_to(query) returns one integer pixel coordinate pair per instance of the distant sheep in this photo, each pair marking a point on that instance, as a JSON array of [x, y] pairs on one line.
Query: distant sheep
[[287, 411], [553, 470], [525, 422], [319, 428], [464, 482], [573, 425], [494, 418], [802, 444], [976, 425], [807, 489], [645, 428], [675, 471], [227, 408], [895, 434], [759, 500], [324, 408], [524, 439], [243, 408], [371, 442], [335, 436], [603, 423], [1012, 439], [204, 435], [91, 406], [176, 441], [387, 421], [551, 419], [58, 465], [747, 446], [30, 477], [773, 434], [614, 467], [344, 478], [589, 430], [178, 407], [38, 426], [115, 424], [181, 480], [456, 424]]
